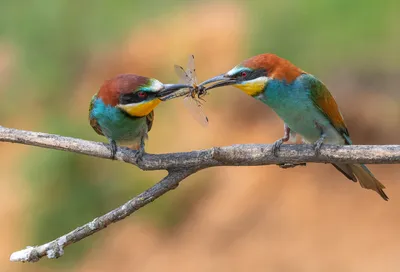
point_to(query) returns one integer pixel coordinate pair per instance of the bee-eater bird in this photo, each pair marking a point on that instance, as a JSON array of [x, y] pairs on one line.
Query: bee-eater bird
[[122, 110], [303, 102]]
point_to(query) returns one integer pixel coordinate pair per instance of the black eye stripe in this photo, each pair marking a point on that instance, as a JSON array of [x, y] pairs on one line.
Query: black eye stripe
[[249, 74], [130, 98], [254, 74]]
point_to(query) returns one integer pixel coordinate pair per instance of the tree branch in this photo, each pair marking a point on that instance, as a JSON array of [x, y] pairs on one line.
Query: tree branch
[[180, 166], [55, 248], [235, 155]]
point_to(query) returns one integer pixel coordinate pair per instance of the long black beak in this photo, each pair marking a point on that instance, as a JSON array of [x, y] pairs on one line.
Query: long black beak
[[223, 79], [171, 88]]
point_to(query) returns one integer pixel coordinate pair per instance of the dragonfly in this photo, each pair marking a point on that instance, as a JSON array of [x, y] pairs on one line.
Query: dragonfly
[[194, 95]]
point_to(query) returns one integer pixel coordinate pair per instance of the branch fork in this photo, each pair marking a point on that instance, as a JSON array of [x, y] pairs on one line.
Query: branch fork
[[180, 166]]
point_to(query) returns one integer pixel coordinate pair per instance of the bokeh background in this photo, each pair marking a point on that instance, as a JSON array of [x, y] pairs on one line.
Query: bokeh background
[[54, 55]]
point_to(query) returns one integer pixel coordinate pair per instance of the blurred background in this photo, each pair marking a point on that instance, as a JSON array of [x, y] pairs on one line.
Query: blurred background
[[54, 55]]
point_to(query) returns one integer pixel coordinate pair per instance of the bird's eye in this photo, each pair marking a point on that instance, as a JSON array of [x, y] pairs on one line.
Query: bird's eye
[[243, 74], [142, 94]]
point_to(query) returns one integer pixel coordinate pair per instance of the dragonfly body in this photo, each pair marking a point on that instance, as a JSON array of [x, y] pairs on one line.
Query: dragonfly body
[[193, 94]]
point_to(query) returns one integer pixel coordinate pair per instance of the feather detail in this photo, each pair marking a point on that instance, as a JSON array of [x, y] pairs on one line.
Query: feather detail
[[93, 122], [367, 180], [149, 120], [274, 66], [112, 89], [95, 125], [325, 102]]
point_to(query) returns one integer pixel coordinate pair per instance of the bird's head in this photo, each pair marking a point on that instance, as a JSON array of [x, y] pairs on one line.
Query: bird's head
[[253, 74], [135, 95]]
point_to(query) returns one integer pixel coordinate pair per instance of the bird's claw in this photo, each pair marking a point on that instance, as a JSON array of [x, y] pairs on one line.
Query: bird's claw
[[113, 148], [139, 155], [276, 146], [318, 144], [140, 152]]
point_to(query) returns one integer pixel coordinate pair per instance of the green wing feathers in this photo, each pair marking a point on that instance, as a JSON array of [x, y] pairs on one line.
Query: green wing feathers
[[325, 102]]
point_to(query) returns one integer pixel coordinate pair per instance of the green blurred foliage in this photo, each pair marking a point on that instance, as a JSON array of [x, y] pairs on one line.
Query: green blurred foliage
[[55, 37], [319, 35]]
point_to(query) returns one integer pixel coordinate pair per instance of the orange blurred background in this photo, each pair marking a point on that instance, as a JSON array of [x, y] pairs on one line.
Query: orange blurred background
[[55, 55]]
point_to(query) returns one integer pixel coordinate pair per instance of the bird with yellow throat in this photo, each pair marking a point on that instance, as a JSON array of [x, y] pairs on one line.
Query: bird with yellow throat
[[123, 109], [302, 101]]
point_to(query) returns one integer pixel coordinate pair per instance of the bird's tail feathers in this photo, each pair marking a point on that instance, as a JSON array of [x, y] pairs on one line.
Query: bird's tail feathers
[[360, 173], [346, 170], [367, 180]]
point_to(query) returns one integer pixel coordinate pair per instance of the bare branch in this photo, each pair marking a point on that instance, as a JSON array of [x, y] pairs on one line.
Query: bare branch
[[55, 248], [235, 155], [180, 166]]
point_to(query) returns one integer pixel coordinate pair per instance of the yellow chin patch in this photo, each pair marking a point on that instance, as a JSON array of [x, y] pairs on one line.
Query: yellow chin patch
[[140, 109], [253, 87]]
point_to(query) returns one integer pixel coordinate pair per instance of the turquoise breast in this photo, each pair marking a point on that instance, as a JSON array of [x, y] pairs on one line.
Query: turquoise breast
[[293, 105], [115, 124]]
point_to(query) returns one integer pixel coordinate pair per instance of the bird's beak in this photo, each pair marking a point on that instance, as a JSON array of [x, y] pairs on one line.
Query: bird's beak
[[223, 79], [169, 89]]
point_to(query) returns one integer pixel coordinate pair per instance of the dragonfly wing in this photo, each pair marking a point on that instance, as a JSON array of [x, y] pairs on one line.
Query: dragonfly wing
[[195, 110], [182, 75], [191, 70]]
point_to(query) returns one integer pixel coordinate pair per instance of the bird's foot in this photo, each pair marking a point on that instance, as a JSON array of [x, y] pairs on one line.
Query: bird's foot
[[276, 146], [318, 144], [113, 148], [139, 155], [140, 152]]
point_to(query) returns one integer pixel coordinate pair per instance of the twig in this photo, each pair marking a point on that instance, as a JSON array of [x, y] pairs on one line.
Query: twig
[[180, 166], [55, 248]]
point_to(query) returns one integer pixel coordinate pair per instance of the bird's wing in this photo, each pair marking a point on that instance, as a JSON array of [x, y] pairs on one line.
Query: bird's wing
[[149, 120], [325, 102], [95, 126], [93, 122]]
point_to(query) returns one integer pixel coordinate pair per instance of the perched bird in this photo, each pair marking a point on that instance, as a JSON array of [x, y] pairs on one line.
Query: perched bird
[[303, 102], [122, 110]]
